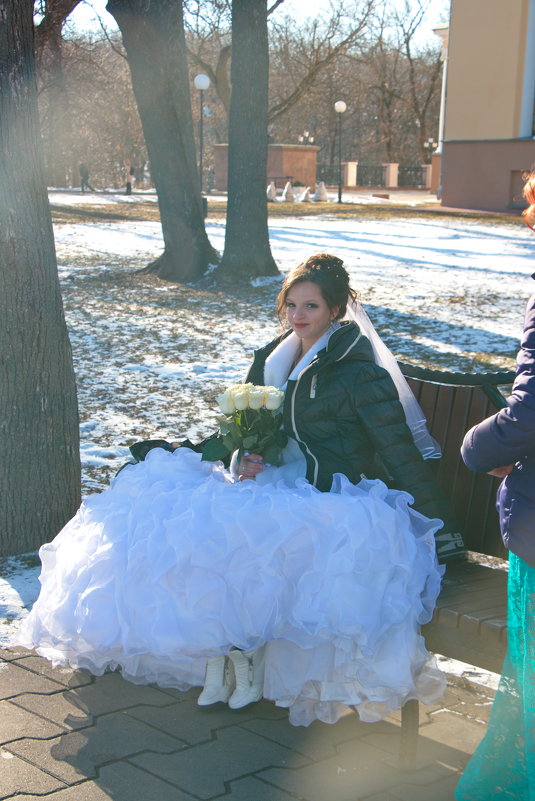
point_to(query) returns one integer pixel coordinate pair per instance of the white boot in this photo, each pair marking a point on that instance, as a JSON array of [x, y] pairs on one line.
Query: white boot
[[249, 672], [218, 681]]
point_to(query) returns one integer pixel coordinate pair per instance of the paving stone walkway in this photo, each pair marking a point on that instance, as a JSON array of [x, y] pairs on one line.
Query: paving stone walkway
[[68, 736]]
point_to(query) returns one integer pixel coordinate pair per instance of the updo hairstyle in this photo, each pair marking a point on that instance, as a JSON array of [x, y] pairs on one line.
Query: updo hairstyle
[[329, 273], [529, 194]]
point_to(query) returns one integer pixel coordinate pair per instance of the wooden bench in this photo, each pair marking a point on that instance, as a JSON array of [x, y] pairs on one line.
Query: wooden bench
[[469, 623]]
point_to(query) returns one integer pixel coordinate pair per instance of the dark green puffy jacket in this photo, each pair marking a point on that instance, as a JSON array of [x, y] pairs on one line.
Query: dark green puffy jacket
[[345, 413]]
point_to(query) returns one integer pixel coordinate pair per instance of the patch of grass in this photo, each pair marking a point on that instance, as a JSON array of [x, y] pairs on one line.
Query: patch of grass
[[379, 211], [137, 212], [148, 211]]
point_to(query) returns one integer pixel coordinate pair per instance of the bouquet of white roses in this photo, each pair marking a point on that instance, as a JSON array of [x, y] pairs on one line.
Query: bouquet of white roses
[[251, 422]]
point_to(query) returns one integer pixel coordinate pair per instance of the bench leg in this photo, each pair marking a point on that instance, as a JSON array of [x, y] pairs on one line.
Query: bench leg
[[408, 743]]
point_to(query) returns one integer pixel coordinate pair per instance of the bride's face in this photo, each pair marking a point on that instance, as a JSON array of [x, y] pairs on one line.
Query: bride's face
[[307, 312]]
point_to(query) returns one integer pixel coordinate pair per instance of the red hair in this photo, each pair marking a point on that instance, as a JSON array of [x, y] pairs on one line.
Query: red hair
[[529, 193]]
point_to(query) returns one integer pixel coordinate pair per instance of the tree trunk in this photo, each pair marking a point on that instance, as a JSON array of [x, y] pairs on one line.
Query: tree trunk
[[153, 36], [40, 465], [247, 250]]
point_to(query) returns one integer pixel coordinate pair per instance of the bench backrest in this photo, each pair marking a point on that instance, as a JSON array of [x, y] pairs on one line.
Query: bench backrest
[[453, 403]]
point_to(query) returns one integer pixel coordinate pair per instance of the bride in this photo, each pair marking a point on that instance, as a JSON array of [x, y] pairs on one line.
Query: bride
[[304, 583]]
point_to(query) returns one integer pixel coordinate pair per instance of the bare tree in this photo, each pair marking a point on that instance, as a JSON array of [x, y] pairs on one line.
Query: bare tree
[[106, 131], [247, 249], [153, 36], [40, 466], [424, 68], [301, 52], [57, 112], [209, 43], [392, 98], [306, 51]]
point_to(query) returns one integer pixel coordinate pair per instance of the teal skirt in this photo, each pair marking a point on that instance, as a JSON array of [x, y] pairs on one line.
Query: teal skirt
[[503, 766]]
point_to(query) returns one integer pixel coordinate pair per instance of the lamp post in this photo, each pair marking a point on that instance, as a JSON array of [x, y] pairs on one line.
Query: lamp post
[[305, 138], [430, 145], [201, 82], [340, 107]]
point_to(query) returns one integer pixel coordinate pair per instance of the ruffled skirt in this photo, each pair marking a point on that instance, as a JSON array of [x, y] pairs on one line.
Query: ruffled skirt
[[176, 562]]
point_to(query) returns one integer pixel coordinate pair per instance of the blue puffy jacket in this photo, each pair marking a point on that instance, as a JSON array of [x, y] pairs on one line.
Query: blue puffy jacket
[[508, 437]]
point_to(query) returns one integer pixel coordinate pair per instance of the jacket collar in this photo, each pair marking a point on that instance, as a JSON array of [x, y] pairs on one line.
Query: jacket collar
[[347, 343]]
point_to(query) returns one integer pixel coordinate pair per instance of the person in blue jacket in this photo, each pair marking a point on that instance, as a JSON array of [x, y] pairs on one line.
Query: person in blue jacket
[[503, 767]]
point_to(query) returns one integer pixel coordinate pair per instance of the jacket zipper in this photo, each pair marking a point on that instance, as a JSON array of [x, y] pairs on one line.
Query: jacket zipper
[[298, 438], [313, 386]]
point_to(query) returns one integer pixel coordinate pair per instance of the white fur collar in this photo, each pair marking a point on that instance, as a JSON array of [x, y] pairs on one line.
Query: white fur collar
[[279, 362]]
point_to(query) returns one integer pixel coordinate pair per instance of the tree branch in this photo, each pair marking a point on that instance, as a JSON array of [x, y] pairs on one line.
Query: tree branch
[[274, 7], [118, 50], [54, 15], [320, 63]]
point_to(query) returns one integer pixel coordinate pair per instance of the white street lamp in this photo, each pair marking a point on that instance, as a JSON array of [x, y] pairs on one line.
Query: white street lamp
[[201, 82], [305, 138], [430, 146], [340, 106]]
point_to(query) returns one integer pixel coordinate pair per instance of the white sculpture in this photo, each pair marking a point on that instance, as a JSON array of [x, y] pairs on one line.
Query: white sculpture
[[288, 193], [321, 192], [304, 197], [272, 191]]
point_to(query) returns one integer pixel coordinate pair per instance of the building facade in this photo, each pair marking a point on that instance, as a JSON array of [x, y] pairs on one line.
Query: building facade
[[488, 130]]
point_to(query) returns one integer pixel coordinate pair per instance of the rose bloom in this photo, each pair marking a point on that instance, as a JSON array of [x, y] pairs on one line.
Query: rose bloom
[[226, 402], [274, 398], [241, 397], [256, 398]]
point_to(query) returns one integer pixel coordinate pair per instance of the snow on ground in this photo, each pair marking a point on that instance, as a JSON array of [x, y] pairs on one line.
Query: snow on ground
[[150, 356]]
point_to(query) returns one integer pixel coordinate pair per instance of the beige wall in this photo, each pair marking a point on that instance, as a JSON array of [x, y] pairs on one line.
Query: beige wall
[[486, 175], [487, 53], [297, 161]]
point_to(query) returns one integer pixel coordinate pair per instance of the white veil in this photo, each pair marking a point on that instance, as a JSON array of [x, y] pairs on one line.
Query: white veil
[[428, 447]]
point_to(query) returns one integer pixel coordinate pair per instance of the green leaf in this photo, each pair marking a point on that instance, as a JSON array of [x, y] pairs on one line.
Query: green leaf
[[272, 455], [264, 443], [230, 442], [281, 439], [249, 442], [235, 431], [214, 450]]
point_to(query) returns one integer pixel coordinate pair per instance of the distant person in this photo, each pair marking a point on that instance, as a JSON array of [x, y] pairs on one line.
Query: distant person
[[503, 766], [84, 178], [130, 176]]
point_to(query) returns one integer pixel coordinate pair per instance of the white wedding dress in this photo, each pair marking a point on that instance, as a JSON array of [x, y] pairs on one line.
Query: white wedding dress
[[177, 561]]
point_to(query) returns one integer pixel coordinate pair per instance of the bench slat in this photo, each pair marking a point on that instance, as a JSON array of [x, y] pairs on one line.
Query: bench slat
[[470, 619], [453, 403]]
